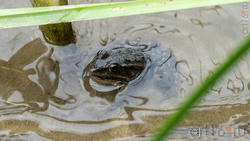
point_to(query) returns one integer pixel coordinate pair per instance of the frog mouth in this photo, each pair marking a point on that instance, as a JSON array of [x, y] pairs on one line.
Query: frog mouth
[[93, 89], [110, 77]]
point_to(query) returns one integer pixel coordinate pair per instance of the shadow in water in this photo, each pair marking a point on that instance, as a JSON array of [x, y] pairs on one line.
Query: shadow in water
[[16, 80]]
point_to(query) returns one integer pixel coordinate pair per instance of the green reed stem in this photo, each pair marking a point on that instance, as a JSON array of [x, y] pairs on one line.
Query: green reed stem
[[10, 18], [202, 89]]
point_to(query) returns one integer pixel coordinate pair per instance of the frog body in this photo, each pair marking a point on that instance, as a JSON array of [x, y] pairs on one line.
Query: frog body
[[122, 70]]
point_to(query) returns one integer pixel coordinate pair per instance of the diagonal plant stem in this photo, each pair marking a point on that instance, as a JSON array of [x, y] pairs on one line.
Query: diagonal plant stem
[[58, 14], [202, 89]]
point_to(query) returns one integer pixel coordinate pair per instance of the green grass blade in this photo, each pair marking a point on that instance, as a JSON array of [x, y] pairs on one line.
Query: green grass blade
[[203, 88], [57, 14]]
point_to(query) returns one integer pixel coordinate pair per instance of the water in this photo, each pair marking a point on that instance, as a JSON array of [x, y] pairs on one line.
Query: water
[[41, 101]]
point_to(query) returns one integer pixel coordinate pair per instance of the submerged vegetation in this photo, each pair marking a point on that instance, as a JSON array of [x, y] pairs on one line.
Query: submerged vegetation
[[62, 34]]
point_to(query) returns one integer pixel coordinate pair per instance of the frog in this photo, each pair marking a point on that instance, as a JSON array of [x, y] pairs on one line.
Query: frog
[[118, 65], [118, 71]]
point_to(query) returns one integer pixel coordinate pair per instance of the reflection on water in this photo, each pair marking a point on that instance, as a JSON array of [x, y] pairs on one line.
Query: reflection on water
[[43, 99], [18, 90], [216, 115]]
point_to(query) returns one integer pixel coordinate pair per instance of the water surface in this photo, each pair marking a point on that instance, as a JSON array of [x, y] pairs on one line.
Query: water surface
[[42, 93]]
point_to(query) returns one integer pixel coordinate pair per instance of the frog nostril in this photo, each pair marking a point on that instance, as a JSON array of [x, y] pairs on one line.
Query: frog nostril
[[105, 55], [98, 53]]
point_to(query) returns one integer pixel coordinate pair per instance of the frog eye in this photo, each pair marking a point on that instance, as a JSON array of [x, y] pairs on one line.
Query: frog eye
[[113, 68]]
